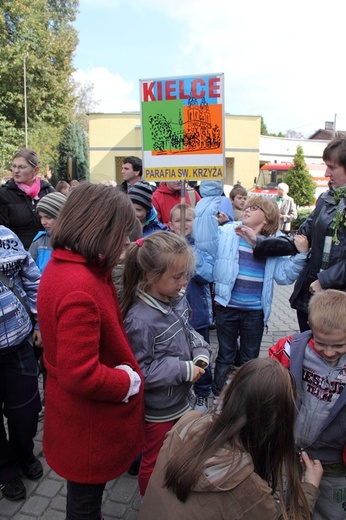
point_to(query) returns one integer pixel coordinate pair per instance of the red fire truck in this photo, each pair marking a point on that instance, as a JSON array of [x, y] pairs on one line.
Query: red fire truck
[[270, 175]]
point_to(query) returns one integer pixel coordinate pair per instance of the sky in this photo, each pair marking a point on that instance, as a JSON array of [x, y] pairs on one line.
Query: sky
[[281, 60]]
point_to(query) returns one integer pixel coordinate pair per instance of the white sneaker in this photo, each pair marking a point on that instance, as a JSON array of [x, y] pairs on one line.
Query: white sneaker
[[201, 404], [217, 403]]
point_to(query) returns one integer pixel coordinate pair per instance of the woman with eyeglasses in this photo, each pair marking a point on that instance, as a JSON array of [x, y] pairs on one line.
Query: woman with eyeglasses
[[243, 283], [20, 195]]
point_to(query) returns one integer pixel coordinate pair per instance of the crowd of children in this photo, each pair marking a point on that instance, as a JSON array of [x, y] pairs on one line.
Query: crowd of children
[[172, 284]]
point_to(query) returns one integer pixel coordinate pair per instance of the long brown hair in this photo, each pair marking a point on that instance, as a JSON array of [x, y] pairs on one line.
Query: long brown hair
[[155, 254], [257, 416], [94, 222]]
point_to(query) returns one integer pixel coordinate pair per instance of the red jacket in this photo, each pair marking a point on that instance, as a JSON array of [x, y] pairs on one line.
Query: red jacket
[[90, 435], [164, 199]]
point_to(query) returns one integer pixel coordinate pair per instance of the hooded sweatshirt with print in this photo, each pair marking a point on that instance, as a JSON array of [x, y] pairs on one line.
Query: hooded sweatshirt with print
[[20, 269]]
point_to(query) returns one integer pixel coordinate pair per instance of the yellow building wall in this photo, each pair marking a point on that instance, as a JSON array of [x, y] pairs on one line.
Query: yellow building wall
[[112, 136], [115, 136], [242, 150]]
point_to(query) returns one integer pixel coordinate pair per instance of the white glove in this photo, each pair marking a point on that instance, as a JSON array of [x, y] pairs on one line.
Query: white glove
[[135, 381]]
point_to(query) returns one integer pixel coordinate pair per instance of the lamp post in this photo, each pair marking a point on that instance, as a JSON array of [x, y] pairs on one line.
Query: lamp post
[[25, 105]]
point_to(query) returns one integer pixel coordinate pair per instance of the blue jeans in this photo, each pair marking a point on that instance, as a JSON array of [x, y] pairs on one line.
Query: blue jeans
[[20, 405], [231, 323], [84, 501]]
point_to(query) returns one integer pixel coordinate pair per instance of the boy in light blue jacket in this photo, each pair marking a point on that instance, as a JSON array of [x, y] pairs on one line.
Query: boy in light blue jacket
[[243, 284], [48, 209]]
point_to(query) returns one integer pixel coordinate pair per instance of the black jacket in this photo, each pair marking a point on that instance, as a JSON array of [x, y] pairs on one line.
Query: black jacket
[[274, 246], [18, 211], [315, 228]]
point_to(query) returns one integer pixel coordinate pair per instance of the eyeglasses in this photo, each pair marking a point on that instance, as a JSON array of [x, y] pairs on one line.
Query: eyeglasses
[[254, 208]]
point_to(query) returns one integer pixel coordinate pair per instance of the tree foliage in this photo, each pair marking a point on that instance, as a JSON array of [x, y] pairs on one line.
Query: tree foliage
[[264, 130], [84, 103], [298, 178], [39, 33], [10, 138], [73, 146]]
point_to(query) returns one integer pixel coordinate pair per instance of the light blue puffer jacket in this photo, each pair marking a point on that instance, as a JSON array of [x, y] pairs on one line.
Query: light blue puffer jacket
[[222, 244]]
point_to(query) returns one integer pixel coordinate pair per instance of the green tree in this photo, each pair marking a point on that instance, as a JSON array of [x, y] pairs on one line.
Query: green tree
[[84, 103], [10, 140], [44, 138], [39, 32], [73, 147], [264, 130], [298, 178]]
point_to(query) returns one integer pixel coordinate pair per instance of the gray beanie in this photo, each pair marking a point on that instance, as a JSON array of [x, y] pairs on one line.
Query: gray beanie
[[141, 194], [51, 204]]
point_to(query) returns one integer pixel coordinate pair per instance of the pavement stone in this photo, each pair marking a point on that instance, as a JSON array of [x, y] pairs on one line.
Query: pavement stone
[[46, 498]]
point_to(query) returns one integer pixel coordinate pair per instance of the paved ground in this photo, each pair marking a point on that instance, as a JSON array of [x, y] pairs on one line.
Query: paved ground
[[46, 498]]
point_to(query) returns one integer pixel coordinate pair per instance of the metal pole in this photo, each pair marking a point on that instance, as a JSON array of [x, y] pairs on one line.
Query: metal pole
[[25, 105], [182, 211]]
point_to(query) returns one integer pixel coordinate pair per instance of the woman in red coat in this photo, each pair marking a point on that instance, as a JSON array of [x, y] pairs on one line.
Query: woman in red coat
[[94, 412]]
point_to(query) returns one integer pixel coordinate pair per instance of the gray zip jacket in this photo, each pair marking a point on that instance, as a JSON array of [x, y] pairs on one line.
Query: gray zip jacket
[[166, 347]]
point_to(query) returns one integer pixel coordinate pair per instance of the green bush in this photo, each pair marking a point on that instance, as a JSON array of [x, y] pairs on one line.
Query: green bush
[[302, 187], [302, 216]]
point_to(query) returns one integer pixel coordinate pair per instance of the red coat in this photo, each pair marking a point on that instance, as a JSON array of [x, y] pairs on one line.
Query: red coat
[[164, 199], [90, 435]]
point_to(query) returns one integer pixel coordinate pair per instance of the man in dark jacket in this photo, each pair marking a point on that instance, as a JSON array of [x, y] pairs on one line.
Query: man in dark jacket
[[131, 171], [325, 229]]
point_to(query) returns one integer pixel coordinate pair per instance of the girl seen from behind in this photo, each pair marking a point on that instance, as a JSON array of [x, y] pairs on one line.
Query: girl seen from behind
[[168, 350], [227, 464], [93, 383]]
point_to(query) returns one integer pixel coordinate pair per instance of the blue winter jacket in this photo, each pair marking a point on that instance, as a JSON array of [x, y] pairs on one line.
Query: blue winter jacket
[[152, 223], [223, 244], [41, 249], [198, 292]]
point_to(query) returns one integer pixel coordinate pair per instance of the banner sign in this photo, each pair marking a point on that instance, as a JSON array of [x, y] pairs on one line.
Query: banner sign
[[183, 128]]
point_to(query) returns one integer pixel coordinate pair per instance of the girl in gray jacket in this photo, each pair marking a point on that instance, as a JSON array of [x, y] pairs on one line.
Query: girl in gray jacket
[[171, 354]]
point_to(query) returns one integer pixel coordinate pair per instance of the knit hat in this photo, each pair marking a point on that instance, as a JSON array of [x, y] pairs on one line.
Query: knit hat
[[141, 194], [51, 204]]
